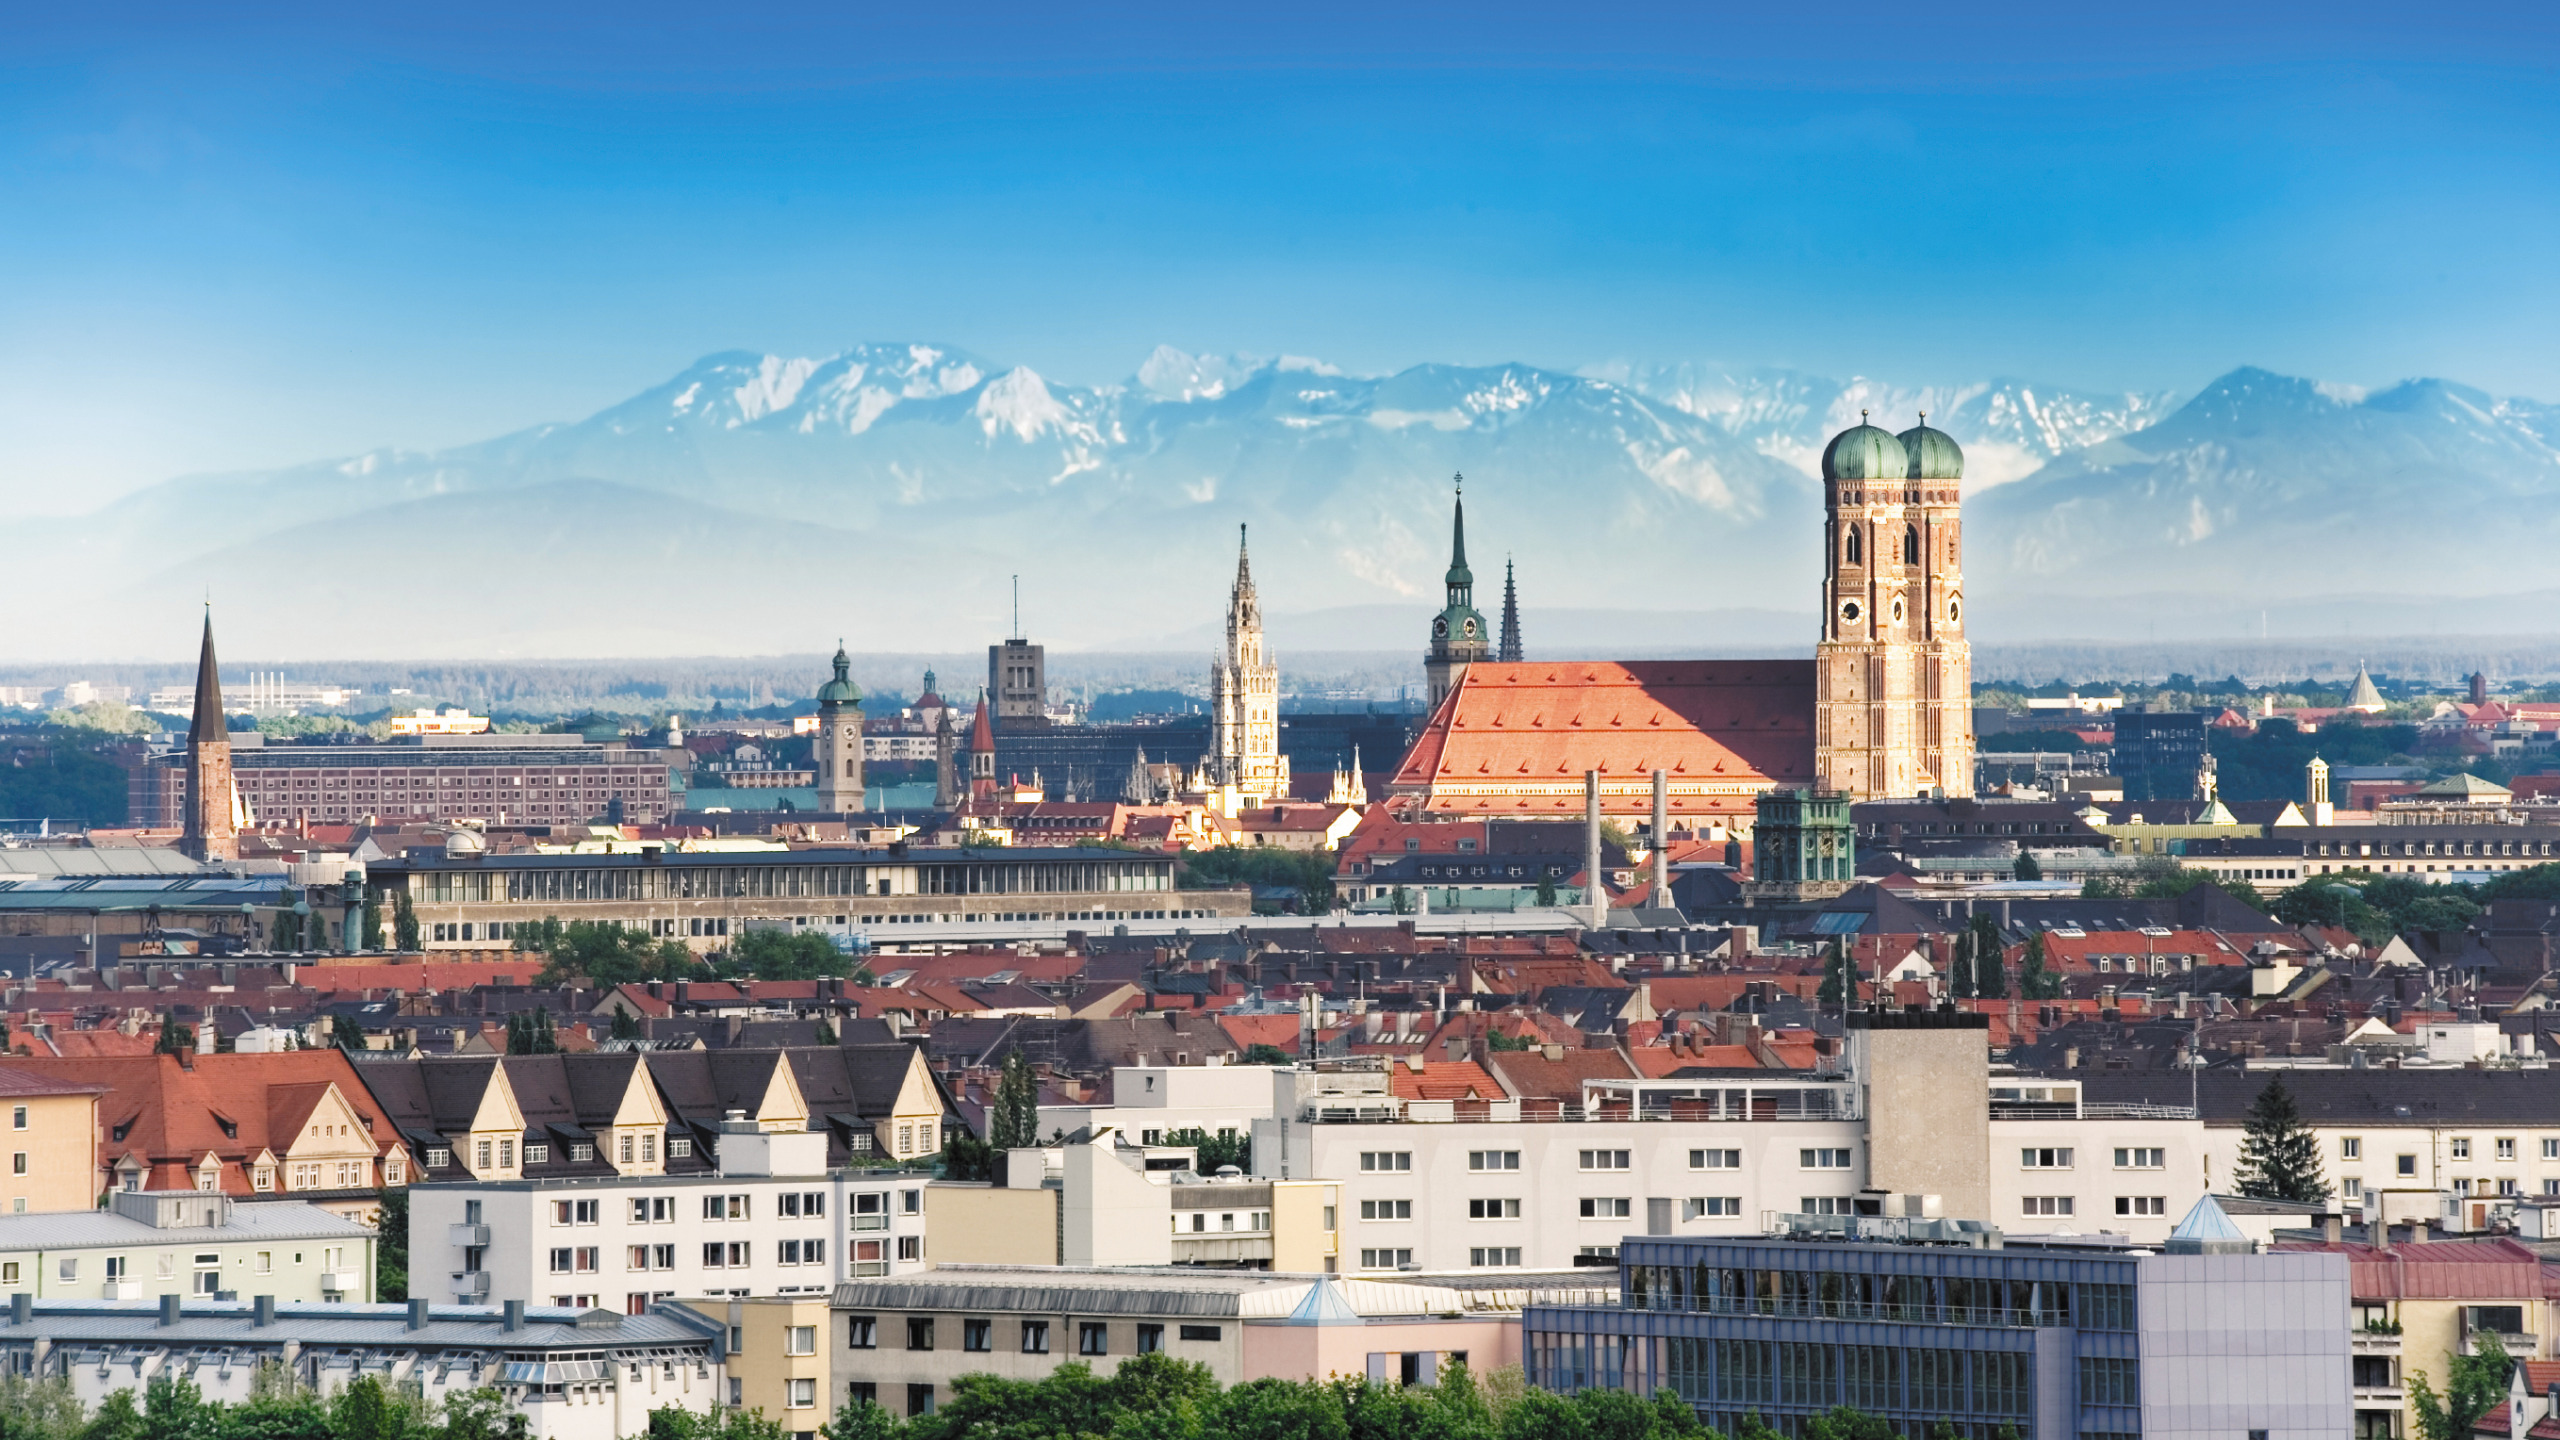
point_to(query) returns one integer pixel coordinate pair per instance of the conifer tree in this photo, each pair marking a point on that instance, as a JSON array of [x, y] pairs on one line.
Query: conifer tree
[[2035, 982], [1014, 1121], [1960, 966], [1990, 960], [2279, 1156], [1837, 985]]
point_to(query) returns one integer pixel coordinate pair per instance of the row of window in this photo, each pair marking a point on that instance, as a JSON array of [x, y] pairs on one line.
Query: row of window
[[2128, 1205], [978, 1337], [1376, 1162], [2059, 1157], [2458, 1147], [206, 1264]]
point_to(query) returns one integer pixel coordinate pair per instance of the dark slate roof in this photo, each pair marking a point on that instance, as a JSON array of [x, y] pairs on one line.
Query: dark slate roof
[[2380, 1098]]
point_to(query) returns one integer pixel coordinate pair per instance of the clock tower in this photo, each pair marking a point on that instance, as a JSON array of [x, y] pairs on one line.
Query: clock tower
[[1459, 637]]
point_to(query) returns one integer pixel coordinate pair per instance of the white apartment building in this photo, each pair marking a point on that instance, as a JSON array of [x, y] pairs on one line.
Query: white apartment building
[[1422, 1189], [1150, 1102], [2060, 1162], [773, 1221]]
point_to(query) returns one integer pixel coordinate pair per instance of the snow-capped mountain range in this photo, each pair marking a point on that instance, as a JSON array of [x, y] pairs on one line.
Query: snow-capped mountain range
[[886, 493]]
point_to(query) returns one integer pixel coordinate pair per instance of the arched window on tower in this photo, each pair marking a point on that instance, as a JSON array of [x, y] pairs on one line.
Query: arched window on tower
[[1850, 555], [1910, 544]]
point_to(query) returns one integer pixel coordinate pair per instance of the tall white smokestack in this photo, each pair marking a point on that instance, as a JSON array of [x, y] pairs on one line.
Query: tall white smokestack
[[1661, 840], [1598, 892]]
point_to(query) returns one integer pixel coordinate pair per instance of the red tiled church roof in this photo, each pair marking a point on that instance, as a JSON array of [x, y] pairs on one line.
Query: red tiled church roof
[[1516, 739]]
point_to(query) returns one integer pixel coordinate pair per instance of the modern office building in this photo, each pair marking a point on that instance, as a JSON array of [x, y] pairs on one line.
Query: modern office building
[[1921, 1321]]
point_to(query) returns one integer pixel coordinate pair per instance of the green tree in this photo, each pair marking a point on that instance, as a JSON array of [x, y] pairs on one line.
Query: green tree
[[285, 936], [2279, 1156], [532, 1034], [404, 923], [345, 1033], [1959, 966], [2477, 1385], [861, 1420], [1546, 889], [627, 1026], [2027, 867], [175, 1039], [1013, 1122], [1263, 1052], [1990, 959], [671, 1422], [826, 1031], [786, 955], [601, 953], [482, 1414], [2035, 980], [1309, 872], [391, 1251], [1838, 985], [1215, 1150], [372, 924], [966, 1157]]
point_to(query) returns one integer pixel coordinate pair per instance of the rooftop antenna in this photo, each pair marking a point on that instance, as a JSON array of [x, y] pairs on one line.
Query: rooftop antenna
[[1017, 607]]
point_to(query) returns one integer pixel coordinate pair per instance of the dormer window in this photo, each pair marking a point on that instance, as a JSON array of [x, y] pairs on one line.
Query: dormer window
[[438, 1159]]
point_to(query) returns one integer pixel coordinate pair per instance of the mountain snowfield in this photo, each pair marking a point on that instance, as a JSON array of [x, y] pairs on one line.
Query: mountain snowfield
[[888, 493]]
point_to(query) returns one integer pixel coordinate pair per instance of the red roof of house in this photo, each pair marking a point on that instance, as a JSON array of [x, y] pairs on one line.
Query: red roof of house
[[1444, 1080], [171, 1115], [1515, 739]]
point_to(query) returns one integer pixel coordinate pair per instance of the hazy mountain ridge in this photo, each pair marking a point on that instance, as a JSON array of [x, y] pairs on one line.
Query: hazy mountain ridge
[[888, 491], [2268, 479]]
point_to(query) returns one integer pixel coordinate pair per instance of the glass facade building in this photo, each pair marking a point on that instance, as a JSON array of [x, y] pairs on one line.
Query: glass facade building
[[2054, 1340]]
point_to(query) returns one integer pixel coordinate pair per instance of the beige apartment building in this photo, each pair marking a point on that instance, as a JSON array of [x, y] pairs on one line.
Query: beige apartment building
[[52, 1141]]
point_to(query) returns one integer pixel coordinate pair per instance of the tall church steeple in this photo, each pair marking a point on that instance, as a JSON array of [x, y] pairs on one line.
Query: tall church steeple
[[212, 829], [1509, 651], [1458, 633], [1244, 699]]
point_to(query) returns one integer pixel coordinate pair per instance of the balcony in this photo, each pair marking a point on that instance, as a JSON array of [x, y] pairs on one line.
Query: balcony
[[2374, 1342], [2391, 1395], [467, 1237], [1221, 1248], [122, 1290], [470, 1286], [343, 1282], [870, 1222]]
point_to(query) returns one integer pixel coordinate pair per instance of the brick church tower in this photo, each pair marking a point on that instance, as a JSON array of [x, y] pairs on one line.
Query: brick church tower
[[1893, 675], [212, 830]]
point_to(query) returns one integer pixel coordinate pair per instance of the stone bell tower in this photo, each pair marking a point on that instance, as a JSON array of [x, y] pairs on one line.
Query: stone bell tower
[[1893, 673]]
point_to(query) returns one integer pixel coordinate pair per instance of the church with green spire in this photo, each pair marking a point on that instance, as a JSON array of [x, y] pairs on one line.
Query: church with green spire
[[1459, 636]]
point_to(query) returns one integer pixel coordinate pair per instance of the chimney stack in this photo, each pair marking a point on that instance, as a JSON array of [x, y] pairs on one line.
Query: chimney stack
[[1661, 840], [1597, 893]]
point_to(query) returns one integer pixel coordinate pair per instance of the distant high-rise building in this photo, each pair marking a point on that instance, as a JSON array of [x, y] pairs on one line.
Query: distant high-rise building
[[1244, 700], [1018, 676], [212, 824], [1509, 651], [1893, 673], [835, 751], [1458, 637]]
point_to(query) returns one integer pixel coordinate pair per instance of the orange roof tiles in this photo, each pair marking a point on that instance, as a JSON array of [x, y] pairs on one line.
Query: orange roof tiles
[[1444, 1080], [1516, 739]]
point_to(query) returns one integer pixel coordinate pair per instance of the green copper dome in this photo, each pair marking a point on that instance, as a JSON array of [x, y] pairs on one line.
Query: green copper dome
[[1934, 454], [841, 690], [1864, 452]]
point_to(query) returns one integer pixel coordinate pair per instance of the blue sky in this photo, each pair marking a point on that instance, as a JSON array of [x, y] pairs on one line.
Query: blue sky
[[296, 234]]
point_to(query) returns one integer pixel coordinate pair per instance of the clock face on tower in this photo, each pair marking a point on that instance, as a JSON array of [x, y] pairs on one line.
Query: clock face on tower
[[1471, 627], [1440, 628]]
